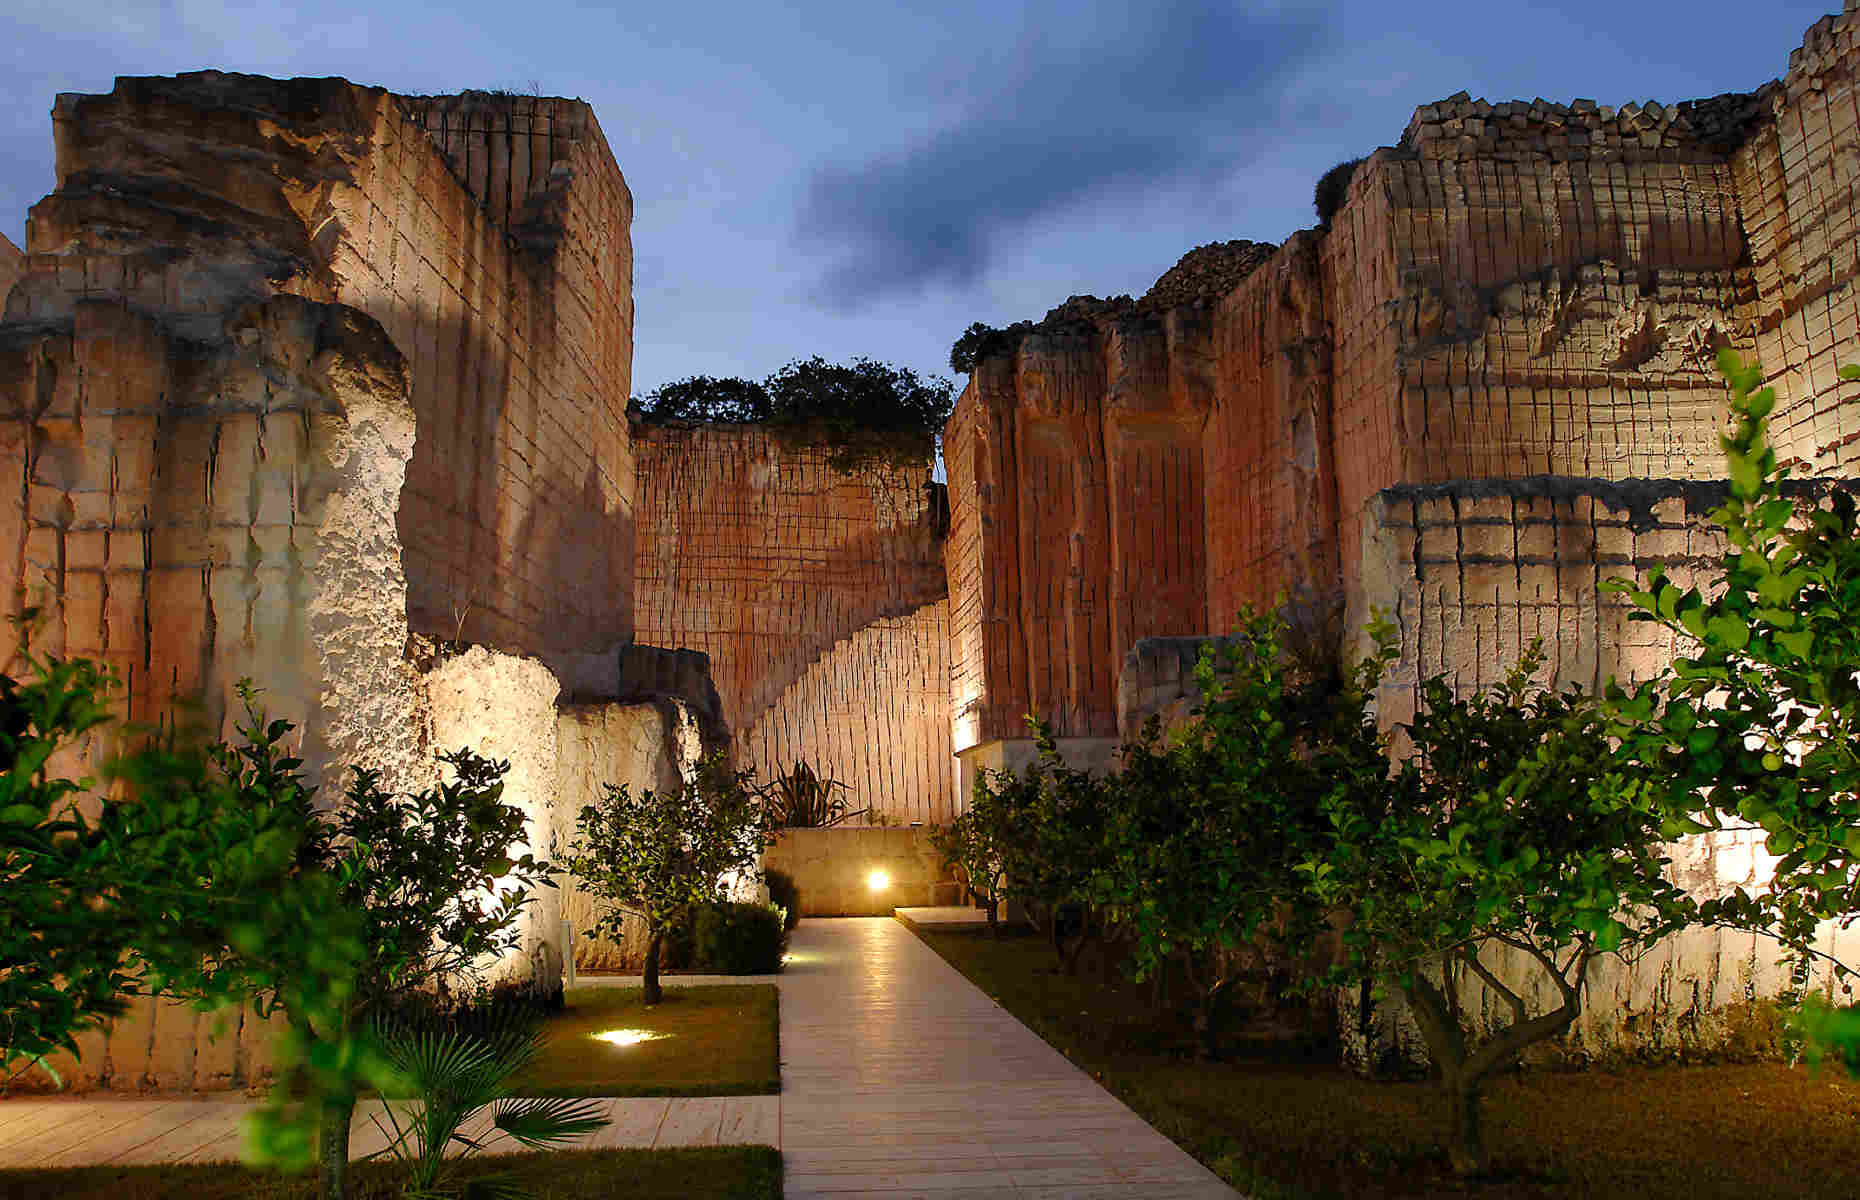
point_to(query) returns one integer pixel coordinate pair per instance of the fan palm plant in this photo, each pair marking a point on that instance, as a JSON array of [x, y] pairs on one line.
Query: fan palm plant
[[455, 1073]]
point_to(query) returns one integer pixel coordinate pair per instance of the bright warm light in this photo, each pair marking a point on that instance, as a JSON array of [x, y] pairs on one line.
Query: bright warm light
[[626, 1037], [878, 881]]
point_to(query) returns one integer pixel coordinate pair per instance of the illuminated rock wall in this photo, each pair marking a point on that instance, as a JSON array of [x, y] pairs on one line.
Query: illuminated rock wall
[[1485, 389], [814, 591], [1076, 481], [279, 389], [872, 713], [499, 266], [1795, 180], [641, 747], [1516, 290]]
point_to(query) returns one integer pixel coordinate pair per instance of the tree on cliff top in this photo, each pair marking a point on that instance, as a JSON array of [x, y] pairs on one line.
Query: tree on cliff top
[[864, 410], [1333, 188]]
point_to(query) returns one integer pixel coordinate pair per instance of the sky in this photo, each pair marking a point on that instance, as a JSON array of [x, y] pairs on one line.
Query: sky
[[858, 178]]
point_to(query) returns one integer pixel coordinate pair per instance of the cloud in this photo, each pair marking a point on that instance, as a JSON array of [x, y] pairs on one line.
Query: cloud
[[1188, 88]]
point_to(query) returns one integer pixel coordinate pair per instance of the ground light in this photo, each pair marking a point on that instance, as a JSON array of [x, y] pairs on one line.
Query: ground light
[[626, 1037], [878, 881]]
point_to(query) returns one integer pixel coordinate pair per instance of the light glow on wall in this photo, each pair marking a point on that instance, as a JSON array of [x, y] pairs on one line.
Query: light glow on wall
[[878, 881]]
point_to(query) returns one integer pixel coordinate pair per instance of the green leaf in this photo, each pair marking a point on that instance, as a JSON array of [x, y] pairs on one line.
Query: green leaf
[[1798, 642], [1729, 630]]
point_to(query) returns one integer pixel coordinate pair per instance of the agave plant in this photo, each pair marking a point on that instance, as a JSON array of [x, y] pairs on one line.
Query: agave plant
[[802, 799], [455, 1073]]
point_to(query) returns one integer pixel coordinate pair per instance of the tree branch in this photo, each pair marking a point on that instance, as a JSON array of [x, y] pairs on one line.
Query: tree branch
[[1518, 1011]]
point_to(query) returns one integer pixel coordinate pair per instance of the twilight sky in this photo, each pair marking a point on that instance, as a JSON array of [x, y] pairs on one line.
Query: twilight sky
[[858, 177]]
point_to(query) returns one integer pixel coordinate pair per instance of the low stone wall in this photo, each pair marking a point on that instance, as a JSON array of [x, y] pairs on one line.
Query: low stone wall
[[833, 869]]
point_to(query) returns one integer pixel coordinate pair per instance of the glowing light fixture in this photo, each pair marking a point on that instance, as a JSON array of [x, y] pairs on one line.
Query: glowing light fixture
[[878, 881], [626, 1037]]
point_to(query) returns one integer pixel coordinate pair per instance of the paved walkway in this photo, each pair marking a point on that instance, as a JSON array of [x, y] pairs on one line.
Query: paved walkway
[[900, 1079]]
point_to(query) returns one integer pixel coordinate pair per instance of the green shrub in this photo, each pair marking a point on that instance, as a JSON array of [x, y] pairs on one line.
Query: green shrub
[[739, 939], [802, 798], [679, 952], [783, 891], [1332, 189]]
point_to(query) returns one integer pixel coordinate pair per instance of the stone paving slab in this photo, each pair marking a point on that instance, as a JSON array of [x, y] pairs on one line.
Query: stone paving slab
[[72, 1132]]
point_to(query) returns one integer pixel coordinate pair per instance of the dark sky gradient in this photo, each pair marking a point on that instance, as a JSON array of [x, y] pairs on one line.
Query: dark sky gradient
[[856, 177]]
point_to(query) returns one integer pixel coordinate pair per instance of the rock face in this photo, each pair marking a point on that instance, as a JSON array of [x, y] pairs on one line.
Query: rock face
[[488, 236], [199, 512], [12, 266], [814, 593], [1485, 389]]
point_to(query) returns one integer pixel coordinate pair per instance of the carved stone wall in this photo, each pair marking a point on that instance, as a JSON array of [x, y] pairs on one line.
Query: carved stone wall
[[1077, 520], [807, 586], [262, 334], [1472, 571], [1487, 387], [187, 198], [872, 713], [1795, 180], [652, 746], [12, 266]]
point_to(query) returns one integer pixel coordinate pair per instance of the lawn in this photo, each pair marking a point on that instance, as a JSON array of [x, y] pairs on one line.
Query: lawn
[[1298, 1127], [702, 1041], [702, 1173]]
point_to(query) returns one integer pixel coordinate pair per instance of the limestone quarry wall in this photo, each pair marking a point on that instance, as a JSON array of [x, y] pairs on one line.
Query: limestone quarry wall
[[1528, 314], [12, 266], [1471, 572], [274, 380], [1077, 525], [1484, 389], [1271, 490], [1795, 180], [516, 329], [639, 747], [872, 713], [765, 557], [195, 513]]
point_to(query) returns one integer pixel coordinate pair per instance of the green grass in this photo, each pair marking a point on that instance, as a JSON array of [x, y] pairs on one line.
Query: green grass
[[1297, 1127], [713, 1041], [702, 1173]]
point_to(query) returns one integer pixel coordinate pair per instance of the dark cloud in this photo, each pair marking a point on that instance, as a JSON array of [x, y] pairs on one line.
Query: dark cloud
[[1189, 88]]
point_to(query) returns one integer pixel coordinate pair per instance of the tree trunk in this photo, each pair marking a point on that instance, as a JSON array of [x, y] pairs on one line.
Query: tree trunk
[[649, 981], [994, 918], [1466, 1151], [332, 1135], [1207, 1031], [1069, 953]]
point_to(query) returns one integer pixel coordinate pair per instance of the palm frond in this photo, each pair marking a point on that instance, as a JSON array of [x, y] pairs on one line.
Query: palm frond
[[546, 1121]]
